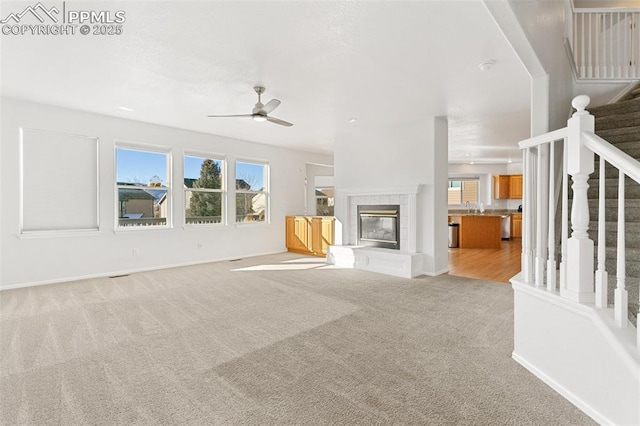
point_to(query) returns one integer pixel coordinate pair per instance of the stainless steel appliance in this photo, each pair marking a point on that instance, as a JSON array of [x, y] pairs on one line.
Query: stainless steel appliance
[[505, 226]]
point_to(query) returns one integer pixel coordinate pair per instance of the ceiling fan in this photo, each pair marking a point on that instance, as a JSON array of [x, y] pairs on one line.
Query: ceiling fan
[[260, 111]]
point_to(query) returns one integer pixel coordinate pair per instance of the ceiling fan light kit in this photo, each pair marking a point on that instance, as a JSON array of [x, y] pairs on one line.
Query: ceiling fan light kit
[[261, 111]]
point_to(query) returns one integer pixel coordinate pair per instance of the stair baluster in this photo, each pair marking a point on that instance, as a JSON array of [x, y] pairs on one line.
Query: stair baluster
[[564, 217], [540, 229], [621, 303], [551, 261], [601, 272], [527, 218]]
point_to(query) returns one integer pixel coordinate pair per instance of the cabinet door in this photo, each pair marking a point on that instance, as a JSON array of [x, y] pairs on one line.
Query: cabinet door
[[515, 186], [501, 187], [298, 230], [322, 231], [516, 226], [290, 232]]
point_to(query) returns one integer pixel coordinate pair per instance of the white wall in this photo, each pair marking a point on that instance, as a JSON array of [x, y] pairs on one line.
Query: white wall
[[371, 157], [35, 260], [544, 25]]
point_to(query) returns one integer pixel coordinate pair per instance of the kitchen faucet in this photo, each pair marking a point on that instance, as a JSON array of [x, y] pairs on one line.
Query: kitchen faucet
[[468, 206]]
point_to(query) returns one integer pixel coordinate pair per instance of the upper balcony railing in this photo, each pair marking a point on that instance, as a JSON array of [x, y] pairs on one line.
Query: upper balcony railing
[[605, 43]]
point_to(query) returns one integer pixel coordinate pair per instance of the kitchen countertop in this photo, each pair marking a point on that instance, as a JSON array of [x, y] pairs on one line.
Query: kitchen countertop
[[496, 212]]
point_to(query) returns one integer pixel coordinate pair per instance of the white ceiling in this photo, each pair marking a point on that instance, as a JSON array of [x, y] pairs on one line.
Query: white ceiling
[[385, 63]]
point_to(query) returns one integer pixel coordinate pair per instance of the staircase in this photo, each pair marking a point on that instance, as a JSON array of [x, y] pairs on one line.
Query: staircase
[[564, 332], [619, 123]]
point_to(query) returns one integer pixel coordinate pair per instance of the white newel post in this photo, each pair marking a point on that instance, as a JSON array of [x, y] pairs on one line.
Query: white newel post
[[579, 246]]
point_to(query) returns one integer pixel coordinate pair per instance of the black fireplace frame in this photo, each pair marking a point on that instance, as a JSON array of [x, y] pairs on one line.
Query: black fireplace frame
[[383, 210]]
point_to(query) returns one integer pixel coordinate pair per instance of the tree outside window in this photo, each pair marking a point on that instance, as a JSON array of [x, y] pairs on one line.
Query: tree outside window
[[204, 193]]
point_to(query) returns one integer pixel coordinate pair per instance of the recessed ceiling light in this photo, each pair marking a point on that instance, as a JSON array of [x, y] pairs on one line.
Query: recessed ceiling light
[[486, 66], [125, 108], [509, 161], [352, 120], [472, 162]]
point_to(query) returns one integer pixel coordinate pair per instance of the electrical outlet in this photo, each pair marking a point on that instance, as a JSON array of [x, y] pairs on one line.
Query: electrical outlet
[[135, 251]]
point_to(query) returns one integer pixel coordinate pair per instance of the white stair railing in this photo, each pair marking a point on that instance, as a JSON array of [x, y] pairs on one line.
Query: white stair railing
[[606, 43], [578, 280]]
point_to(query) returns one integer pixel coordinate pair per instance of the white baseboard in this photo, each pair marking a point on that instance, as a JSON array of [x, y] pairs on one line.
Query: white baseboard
[[131, 271], [586, 408]]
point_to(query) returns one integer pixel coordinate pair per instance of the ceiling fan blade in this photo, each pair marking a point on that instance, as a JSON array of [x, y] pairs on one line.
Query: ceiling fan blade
[[235, 115], [270, 106], [280, 122]]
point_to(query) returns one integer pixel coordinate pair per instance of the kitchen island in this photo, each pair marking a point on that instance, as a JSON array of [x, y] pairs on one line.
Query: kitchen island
[[478, 230]]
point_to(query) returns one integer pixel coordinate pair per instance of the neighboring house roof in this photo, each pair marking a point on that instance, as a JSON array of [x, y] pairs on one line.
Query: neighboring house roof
[[134, 194], [326, 192], [242, 184]]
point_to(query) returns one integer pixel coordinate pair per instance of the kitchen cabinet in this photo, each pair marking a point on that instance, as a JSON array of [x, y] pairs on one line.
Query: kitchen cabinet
[[515, 186], [480, 231], [516, 225], [501, 187], [507, 186], [309, 234]]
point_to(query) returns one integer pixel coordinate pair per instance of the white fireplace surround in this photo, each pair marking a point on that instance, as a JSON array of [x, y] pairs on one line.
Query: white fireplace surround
[[404, 262]]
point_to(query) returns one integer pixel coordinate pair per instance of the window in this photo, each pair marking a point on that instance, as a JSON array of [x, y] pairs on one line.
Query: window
[[59, 185], [142, 180], [252, 193], [462, 190], [324, 201], [204, 197]]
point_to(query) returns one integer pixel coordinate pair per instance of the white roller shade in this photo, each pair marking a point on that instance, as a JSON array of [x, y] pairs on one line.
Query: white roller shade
[[59, 181]]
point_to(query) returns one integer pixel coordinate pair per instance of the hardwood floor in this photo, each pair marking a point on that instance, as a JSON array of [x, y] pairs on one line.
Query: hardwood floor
[[488, 264]]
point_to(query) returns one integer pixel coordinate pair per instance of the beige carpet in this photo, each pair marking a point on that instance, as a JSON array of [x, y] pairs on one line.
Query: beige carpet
[[278, 339]]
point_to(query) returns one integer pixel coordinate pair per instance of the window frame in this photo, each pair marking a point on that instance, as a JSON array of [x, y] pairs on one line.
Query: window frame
[[463, 179], [145, 147], [266, 191], [224, 221]]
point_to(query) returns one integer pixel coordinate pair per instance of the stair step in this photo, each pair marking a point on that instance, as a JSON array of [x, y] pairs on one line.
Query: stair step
[[631, 188], [632, 265], [609, 172], [631, 210], [630, 119], [623, 107], [631, 149], [628, 146], [623, 134], [632, 234]]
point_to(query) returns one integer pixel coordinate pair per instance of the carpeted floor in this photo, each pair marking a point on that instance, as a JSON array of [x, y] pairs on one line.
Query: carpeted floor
[[277, 339]]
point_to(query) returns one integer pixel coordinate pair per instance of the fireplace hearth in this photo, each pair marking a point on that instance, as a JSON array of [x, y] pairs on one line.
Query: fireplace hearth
[[379, 226]]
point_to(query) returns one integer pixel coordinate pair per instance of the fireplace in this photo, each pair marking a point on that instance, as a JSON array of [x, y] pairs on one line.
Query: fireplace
[[379, 226]]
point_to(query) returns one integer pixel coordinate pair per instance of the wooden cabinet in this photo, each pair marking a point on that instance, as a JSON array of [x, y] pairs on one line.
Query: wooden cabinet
[[479, 231], [515, 186], [507, 186], [501, 187], [516, 225], [309, 234]]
